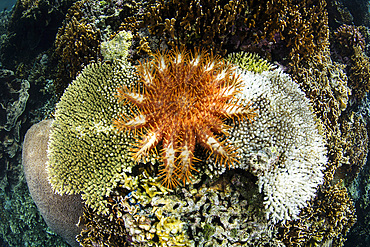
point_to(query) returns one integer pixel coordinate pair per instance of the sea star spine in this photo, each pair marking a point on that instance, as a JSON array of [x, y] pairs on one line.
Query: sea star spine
[[183, 100]]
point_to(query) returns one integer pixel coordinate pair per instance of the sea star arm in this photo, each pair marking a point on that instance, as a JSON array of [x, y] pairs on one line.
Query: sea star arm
[[168, 172], [224, 155], [146, 144]]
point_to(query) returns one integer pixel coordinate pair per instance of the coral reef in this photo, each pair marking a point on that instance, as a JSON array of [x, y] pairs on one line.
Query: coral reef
[[348, 37], [321, 78], [359, 234], [359, 73], [250, 62], [359, 11], [349, 48], [143, 212], [193, 24], [116, 48], [14, 98], [32, 29], [183, 100], [355, 150], [206, 212], [86, 25], [21, 224], [338, 14]]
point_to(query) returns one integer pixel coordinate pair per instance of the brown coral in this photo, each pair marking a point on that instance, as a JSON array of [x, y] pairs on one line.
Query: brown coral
[[76, 45], [206, 24], [326, 220], [348, 37], [359, 73]]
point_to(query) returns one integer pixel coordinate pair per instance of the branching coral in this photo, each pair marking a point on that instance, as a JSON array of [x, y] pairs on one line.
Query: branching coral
[[201, 23], [348, 37], [349, 48], [76, 44], [326, 220], [359, 73], [283, 146], [205, 24], [184, 101]]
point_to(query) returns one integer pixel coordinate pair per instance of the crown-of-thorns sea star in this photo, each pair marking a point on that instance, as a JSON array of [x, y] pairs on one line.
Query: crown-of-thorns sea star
[[183, 99]]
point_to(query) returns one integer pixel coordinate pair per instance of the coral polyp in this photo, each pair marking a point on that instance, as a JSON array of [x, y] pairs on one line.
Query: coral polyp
[[182, 100]]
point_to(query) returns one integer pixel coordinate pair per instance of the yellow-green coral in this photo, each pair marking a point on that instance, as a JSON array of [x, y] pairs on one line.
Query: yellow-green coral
[[117, 48], [250, 61], [139, 213], [86, 154]]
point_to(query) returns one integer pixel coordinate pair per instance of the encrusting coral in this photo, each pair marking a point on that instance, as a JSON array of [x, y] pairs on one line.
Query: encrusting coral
[[184, 100]]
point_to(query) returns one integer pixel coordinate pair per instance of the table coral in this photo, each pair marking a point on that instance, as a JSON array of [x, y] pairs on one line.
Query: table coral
[[83, 139]]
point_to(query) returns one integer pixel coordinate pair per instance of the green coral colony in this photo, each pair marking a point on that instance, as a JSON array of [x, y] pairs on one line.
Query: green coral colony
[[239, 206]]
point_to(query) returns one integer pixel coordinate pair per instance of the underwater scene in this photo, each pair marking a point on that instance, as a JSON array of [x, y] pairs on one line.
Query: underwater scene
[[197, 123]]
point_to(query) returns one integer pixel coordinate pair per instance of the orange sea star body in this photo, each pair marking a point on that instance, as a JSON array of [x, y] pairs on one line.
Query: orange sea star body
[[183, 100]]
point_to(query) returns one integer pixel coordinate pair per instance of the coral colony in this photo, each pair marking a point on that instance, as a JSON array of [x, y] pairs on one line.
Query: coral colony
[[182, 101]]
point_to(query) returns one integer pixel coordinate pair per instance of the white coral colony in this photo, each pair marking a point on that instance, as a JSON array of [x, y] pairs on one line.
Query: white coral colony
[[283, 146]]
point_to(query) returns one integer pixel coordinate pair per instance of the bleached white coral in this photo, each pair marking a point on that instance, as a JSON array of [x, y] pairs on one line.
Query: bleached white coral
[[282, 146]]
